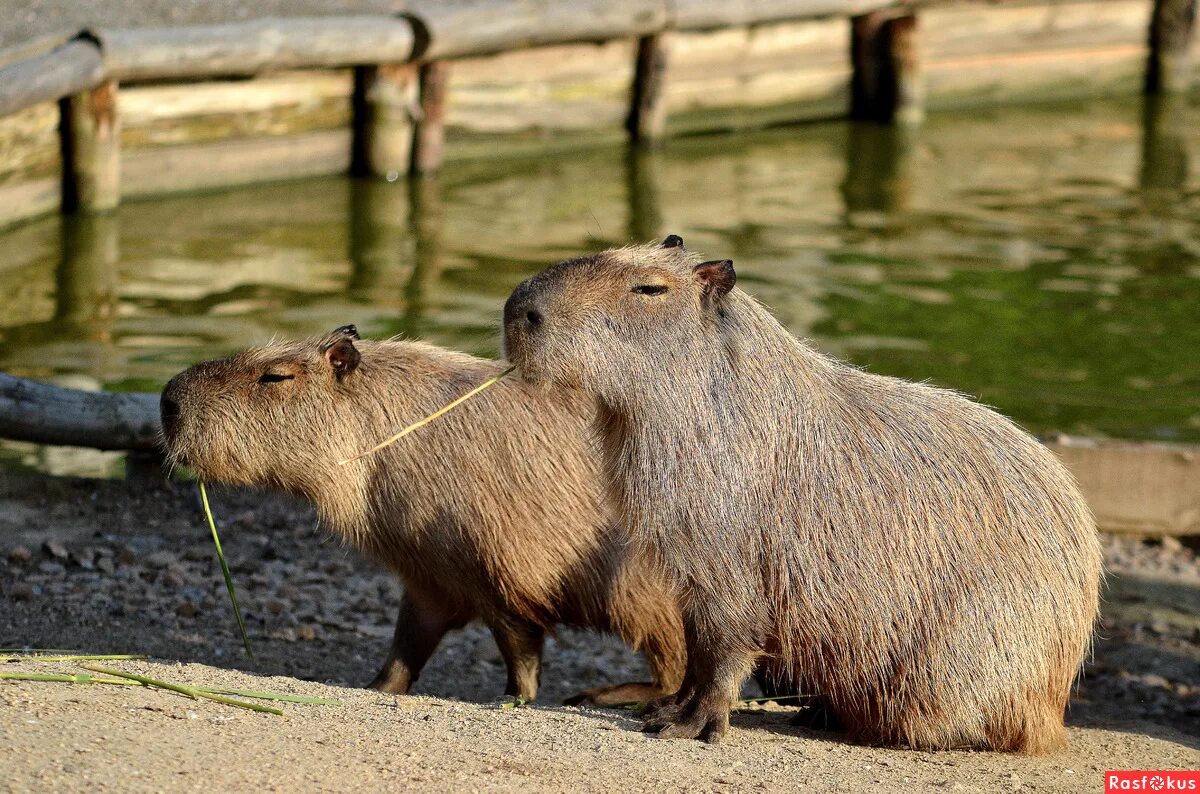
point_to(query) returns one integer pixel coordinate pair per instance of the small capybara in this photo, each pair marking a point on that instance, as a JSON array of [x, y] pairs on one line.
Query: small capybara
[[913, 556], [495, 511]]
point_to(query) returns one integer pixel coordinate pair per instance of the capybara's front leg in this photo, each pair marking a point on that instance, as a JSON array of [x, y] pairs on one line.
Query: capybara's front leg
[[520, 644], [420, 625], [717, 665]]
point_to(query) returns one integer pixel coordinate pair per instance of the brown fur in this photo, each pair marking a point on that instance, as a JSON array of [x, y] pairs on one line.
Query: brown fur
[[494, 511], [911, 555]]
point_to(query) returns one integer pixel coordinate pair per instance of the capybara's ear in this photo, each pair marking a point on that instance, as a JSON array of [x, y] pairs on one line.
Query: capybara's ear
[[716, 277], [346, 330], [671, 241], [343, 356]]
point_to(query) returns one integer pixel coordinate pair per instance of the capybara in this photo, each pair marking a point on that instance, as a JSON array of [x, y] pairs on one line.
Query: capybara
[[911, 555], [495, 511]]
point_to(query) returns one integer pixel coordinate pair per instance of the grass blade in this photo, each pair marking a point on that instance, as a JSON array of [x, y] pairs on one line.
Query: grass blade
[[422, 422], [73, 657], [77, 678], [88, 678], [180, 688], [237, 613], [191, 692]]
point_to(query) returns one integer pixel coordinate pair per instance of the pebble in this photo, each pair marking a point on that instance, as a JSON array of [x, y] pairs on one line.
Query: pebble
[[306, 633], [106, 564], [22, 591], [55, 549], [1171, 544], [172, 579], [52, 568], [20, 554], [160, 559], [127, 555], [186, 609]]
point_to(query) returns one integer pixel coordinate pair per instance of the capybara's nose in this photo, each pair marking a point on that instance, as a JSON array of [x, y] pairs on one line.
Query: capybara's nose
[[168, 408], [521, 308]]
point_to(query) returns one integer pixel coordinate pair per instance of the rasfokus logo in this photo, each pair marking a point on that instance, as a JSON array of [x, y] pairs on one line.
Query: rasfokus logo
[[1164, 780]]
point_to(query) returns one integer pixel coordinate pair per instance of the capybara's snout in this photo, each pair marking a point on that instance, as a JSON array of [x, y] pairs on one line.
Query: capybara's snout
[[524, 319], [522, 310], [169, 407]]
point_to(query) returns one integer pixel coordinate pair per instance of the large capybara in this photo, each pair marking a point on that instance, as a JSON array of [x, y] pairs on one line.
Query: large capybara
[[913, 556], [495, 511]]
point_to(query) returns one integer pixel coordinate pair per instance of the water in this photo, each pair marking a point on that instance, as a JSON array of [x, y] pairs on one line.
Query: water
[[1046, 260]]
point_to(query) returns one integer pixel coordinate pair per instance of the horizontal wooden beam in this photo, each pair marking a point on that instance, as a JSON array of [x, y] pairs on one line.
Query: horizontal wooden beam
[[76, 66], [710, 15], [45, 414], [484, 27], [248, 48]]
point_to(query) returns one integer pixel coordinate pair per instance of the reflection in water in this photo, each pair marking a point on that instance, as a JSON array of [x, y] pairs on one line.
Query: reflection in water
[[877, 169], [1045, 259], [1164, 145]]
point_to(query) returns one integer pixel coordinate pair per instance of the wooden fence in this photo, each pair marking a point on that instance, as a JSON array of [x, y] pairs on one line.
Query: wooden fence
[[896, 53]]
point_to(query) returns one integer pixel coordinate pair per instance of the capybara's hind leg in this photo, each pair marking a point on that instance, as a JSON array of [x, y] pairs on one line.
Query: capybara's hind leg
[[619, 695], [1036, 729], [420, 626], [520, 644]]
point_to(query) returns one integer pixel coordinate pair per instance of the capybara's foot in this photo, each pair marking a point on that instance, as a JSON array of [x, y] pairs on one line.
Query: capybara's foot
[[620, 695], [394, 678], [664, 708], [704, 717]]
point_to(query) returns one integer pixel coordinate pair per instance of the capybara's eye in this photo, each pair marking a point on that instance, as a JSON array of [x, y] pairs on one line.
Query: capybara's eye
[[274, 377], [649, 289]]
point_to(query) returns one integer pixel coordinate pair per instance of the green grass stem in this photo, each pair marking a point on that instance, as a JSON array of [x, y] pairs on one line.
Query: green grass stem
[[237, 613], [182, 689]]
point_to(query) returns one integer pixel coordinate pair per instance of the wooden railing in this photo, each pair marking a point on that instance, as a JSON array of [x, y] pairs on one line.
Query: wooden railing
[[400, 63]]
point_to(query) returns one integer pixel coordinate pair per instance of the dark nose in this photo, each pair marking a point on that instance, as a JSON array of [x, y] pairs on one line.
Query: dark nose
[[522, 307], [168, 408]]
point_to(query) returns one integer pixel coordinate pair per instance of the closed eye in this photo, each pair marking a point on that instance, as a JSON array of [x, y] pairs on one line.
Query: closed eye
[[274, 377], [649, 289]]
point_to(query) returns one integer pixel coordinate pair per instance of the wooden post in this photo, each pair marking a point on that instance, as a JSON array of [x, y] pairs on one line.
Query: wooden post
[[385, 102], [887, 84], [91, 147], [647, 108], [1171, 26], [431, 127]]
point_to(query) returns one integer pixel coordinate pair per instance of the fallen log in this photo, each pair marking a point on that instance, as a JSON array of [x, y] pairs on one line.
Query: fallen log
[[45, 414]]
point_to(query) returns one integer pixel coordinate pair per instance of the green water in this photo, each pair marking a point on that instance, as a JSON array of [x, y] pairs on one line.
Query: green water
[[1046, 260]]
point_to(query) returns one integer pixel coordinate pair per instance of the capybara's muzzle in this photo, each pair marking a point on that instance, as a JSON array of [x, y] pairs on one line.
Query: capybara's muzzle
[[168, 409]]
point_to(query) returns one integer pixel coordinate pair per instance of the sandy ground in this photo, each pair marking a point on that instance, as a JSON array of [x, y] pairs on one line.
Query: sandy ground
[[109, 566]]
